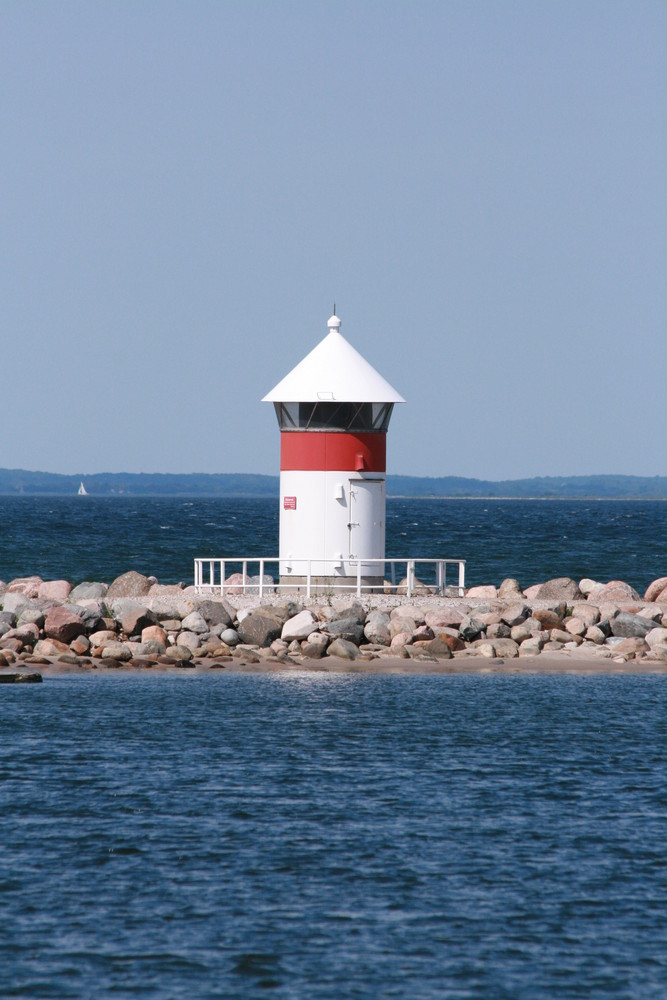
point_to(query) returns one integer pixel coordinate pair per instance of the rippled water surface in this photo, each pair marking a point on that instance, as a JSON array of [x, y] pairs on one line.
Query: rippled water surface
[[98, 538], [334, 836]]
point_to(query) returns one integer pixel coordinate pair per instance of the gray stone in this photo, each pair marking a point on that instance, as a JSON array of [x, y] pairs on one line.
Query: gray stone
[[218, 612], [506, 648], [345, 608], [628, 625], [116, 651], [88, 591], [189, 639], [350, 629], [595, 634], [471, 628], [498, 630], [230, 637], [531, 646], [560, 589], [15, 602], [344, 649], [259, 629], [515, 614], [179, 653], [130, 584], [377, 628], [33, 616], [509, 589], [151, 647], [195, 622]]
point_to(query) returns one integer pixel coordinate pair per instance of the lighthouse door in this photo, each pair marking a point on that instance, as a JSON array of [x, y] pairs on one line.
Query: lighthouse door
[[366, 525]]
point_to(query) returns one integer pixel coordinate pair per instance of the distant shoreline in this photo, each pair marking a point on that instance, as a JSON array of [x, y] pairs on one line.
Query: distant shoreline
[[271, 496], [21, 482]]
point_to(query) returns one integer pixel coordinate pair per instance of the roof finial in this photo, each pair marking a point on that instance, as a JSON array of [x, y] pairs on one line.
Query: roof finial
[[334, 312]]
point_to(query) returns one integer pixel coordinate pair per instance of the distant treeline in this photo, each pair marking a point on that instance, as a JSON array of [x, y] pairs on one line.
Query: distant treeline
[[18, 481]]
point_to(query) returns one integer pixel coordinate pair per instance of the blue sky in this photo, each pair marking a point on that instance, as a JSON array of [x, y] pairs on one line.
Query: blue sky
[[188, 187]]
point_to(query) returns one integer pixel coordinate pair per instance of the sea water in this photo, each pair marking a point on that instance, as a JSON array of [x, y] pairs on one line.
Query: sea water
[[98, 538], [334, 836]]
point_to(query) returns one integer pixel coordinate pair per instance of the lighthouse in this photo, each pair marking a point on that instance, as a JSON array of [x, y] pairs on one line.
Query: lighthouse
[[333, 410]]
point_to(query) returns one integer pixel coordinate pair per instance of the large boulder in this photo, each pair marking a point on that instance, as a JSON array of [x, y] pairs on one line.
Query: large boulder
[[299, 627], [134, 620], [130, 584], [315, 645], [510, 590], [50, 647], [88, 591], [657, 591], [195, 622], [515, 614], [445, 617], [343, 649], [562, 588], [63, 625], [26, 585], [259, 629], [14, 601], [471, 628], [486, 592], [345, 608], [171, 606], [548, 619], [377, 628], [218, 612], [614, 592], [117, 651], [350, 629], [55, 590], [657, 637], [631, 626]]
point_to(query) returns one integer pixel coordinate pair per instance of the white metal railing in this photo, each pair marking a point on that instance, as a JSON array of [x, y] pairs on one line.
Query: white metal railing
[[215, 580]]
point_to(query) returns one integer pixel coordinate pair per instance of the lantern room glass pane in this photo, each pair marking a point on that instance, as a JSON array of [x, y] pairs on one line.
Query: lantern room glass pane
[[330, 415]]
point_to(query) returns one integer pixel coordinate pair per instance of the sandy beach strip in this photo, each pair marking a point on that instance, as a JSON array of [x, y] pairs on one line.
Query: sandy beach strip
[[549, 664]]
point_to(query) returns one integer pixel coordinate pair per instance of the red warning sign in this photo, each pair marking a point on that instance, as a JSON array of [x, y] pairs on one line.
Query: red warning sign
[[289, 503]]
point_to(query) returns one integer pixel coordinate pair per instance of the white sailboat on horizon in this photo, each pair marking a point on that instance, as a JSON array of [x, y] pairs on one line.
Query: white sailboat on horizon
[[82, 491]]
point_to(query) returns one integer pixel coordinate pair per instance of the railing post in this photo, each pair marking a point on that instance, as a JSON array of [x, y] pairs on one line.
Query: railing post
[[358, 578], [409, 576], [462, 577], [308, 580], [222, 577], [261, 578]]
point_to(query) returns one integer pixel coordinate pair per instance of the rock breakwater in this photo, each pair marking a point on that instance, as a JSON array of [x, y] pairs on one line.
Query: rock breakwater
[[137, 623]]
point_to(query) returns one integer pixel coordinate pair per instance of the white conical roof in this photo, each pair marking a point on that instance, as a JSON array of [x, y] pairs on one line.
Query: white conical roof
[[333, 370]]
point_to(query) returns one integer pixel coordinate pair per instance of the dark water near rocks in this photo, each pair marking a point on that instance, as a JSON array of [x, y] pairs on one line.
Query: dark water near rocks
[[334, 836], [98, 538]]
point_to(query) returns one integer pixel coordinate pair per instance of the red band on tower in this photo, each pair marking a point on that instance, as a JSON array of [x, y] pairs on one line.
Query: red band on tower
[[325, 451]]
